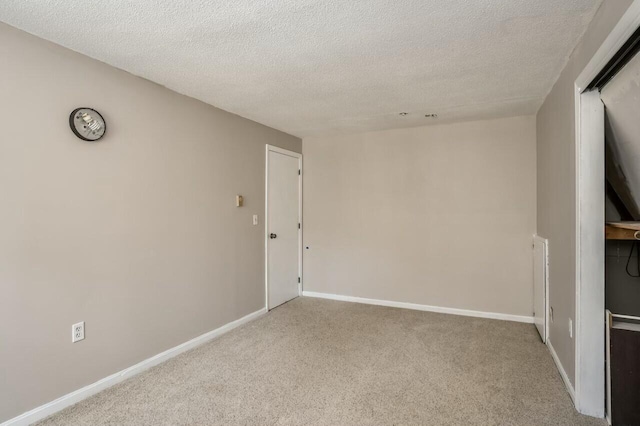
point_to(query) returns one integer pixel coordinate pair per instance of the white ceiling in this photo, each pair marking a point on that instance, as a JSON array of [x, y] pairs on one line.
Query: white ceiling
[[318, 67]]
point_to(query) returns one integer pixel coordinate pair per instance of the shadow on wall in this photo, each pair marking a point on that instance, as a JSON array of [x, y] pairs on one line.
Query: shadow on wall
[[621, 97]]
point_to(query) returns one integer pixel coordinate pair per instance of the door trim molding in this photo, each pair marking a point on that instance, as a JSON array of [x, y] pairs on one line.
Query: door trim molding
[[589, 244], [537, 239], [297, 155]]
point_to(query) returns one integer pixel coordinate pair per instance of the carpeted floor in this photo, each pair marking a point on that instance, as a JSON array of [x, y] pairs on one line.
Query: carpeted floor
[[320, 362]]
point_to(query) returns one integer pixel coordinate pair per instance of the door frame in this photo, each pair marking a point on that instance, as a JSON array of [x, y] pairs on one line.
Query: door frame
[[589, 175], [545, 245], [272, 148]]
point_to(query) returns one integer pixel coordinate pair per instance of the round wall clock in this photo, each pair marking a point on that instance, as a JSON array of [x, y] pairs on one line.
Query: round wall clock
[[87, 124]]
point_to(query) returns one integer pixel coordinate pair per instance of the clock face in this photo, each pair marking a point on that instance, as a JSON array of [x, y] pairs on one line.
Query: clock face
[[87, 124]]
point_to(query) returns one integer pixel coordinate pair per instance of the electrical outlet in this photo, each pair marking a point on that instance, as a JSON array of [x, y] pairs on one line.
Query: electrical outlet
[[570, 328], [255, 219], [77, 332]]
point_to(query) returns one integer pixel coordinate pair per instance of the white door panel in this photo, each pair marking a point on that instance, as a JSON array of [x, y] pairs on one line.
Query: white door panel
[[540, 286], [283, 198]]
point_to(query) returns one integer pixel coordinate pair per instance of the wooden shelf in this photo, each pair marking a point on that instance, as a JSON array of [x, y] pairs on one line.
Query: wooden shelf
[[622, 231]]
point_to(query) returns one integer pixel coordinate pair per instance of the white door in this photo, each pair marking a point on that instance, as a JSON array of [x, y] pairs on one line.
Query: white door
[[283, 225], [540, 285]]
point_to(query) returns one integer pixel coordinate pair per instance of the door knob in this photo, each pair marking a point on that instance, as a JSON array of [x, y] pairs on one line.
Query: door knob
[[272, 236]]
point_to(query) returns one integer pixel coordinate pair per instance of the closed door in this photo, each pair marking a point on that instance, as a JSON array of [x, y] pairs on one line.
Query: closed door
[[283, 225], [540, 286]]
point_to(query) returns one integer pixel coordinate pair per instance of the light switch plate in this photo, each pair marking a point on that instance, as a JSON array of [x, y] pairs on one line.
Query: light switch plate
[[570, 328]]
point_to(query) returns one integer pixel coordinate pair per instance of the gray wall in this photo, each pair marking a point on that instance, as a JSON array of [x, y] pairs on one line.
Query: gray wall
[[439, 215], [622, 291], [138, 235], [556, 210], [621, 97]]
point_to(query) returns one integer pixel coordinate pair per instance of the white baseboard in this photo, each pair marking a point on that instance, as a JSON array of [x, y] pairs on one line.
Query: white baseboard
[[69, 399], [563, 374], [417, 307]]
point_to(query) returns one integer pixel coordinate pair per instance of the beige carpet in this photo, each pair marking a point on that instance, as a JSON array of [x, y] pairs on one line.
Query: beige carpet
[[320, 362]]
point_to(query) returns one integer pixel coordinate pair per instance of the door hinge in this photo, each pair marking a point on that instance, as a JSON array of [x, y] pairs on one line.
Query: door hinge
[[299, 226], [298, 279], [299, 172]]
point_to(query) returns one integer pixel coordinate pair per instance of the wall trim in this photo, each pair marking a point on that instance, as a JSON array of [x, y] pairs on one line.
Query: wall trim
[[76, 396], [418, 307], [563, 374]]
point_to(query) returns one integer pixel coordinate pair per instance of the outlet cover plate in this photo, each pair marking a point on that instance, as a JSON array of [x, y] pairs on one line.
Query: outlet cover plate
[[77, 332]]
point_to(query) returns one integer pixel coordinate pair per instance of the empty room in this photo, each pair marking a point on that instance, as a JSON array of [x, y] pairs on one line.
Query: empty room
[[320, 213]]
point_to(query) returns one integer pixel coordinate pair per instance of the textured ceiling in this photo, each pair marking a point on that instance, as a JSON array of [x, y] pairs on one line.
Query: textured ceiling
[[318, 67]]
